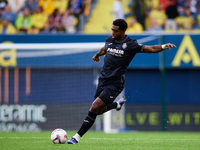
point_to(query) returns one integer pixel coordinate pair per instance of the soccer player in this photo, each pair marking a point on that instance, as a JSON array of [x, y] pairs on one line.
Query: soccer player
[[119, 50]]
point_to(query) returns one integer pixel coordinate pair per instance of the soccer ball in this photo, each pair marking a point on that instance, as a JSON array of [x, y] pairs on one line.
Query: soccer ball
[[59, 136]]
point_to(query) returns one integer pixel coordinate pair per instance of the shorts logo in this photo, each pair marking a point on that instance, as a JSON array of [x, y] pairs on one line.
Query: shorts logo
[[86, 121], [124, 46], [111, 96]]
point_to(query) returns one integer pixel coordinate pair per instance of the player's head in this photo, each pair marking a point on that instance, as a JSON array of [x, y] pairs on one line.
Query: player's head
[[121, 23], [118, 28]]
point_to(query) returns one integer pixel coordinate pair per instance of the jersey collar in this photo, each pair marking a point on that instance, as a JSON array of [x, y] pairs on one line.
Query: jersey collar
[[122, 40]]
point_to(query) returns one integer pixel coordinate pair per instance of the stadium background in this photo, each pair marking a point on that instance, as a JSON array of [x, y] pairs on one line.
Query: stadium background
[[47, 88]]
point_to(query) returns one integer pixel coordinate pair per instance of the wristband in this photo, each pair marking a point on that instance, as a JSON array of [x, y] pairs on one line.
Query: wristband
[[163, 46]]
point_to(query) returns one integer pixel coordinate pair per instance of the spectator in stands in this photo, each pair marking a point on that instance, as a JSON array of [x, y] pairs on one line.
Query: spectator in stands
[[87, 5], [68, 22], [181, 3], [58, 28], [159, 15], [185, 22], [61, 5], [151, 4], [33, 30], [47, 29], [39, 18], [154, 27], [48, 6], [31, 5], [181, 6], [3, 4], [171, 13], [134, 26], [57, 15], [51, 21], [193, 7], [139, 10], [197, 16], [76, 8], [6, 27], [24, 21], [16, 5], [118, 10], [166, 4], [7, 13]]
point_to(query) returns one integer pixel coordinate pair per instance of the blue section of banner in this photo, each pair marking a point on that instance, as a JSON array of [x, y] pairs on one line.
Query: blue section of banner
[[186, 55], [49, 58], [52, 38]]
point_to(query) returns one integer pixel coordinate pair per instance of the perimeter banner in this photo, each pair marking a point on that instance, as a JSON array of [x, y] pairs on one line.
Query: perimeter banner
[[77, 51], [137, 117]]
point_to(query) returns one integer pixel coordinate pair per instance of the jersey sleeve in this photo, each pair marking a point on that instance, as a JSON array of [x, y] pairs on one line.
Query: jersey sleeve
[[108, 40], [137, 47]]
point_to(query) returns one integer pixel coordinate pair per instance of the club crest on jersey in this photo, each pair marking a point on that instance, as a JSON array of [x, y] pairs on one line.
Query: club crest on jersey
[[139, 44], [124, 46]]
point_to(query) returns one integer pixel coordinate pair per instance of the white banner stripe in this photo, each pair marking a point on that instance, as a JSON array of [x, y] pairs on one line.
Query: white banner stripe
[[50, 46], [53, 46], [52, 53]]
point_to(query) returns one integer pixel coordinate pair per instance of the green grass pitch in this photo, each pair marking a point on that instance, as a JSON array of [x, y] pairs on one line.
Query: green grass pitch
[[102, 141]]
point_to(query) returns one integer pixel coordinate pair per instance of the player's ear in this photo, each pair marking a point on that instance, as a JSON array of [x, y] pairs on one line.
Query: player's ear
[[123, 31]]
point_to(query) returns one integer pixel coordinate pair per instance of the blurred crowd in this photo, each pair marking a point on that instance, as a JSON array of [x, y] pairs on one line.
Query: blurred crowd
[[42, 16], [163, 15], [67, 16]]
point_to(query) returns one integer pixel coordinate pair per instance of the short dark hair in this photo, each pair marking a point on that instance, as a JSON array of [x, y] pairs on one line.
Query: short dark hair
[[121, 23]]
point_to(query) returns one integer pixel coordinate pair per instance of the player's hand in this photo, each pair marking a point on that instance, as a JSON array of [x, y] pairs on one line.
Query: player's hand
[[96, 59], [169, 45]]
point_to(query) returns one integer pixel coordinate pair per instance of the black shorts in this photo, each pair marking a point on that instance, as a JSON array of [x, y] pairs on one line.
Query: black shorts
[[109, 88]]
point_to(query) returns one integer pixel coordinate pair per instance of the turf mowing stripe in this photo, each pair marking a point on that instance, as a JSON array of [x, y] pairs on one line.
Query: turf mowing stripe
[[91, 138]]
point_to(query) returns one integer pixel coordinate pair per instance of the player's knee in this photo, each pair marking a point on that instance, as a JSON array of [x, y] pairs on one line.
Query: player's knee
[[97, 106], [95, 109]]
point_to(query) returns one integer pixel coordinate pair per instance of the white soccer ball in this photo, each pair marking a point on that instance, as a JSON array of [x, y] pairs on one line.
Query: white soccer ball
[[59, 136]]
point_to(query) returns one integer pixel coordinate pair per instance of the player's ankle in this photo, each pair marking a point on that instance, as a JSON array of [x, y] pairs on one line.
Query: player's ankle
[[77, 136], [118, 105]]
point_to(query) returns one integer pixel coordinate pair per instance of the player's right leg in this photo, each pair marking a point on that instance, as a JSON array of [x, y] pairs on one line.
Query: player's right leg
[[111, 91], [120, 103]]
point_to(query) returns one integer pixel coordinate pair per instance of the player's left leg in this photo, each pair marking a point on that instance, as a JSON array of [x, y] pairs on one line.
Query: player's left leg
[[98, 106], [105, 95]]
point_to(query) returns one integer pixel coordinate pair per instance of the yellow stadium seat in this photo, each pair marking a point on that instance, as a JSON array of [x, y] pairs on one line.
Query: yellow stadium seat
[[101, 17]]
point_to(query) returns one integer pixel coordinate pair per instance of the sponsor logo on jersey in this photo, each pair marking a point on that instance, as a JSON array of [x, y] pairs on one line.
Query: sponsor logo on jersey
[[115, 52]]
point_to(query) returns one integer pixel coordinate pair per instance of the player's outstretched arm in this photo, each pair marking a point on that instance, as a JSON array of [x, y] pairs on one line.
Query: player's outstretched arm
[[101, 52], [157, 48]]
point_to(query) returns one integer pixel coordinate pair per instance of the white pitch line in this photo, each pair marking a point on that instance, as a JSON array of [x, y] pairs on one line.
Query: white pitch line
[[24, 137], [136, 139]]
